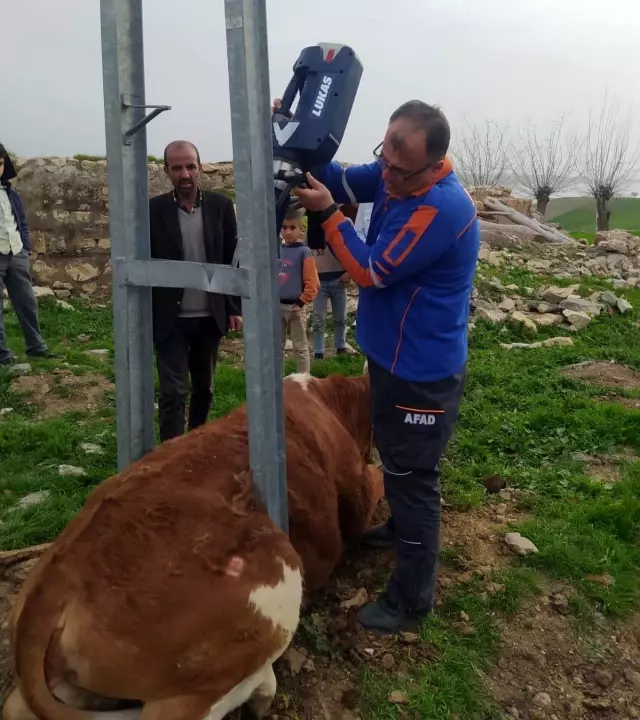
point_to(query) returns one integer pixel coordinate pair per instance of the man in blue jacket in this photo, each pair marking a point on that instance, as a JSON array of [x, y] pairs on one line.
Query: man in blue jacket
[[415, 274], [15, 275]]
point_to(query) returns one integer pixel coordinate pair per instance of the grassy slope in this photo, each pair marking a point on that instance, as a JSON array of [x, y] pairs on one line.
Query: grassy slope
[[577, 214], [520, 418]]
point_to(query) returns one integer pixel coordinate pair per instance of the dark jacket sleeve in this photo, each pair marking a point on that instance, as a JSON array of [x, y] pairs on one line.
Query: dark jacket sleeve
[[21, 219], [230, 242], [154, 208]]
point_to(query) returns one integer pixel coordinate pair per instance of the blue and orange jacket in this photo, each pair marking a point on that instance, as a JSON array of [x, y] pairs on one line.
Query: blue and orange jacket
[[415, 271]]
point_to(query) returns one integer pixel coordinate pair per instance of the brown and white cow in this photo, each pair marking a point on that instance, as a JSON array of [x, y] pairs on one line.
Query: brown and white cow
[[172, 589]]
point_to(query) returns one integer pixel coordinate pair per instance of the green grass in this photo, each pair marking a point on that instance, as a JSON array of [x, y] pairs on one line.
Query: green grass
[[521, 418], [578, 215], [453, 683], [561, 205]]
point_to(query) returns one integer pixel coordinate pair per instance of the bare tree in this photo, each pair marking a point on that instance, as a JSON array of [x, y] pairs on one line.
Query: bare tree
[[544, 167], [608, 162], [481, 153]]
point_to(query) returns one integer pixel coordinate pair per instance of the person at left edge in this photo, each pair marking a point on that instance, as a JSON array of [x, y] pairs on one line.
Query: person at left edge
[[195, 225], [15, 271]]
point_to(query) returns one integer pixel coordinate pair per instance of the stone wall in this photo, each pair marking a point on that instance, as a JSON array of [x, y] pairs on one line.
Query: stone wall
[[67, 203]]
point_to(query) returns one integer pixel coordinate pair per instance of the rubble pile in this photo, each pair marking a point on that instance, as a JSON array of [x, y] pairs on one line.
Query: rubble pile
[[505, 219], [528, 310], [480, 193], [615, 256]]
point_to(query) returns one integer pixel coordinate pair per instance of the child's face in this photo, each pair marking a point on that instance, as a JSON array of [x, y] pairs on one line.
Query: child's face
[[291, 231]]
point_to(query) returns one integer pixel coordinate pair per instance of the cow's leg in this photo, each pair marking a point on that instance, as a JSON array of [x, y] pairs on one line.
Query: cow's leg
[[15, 708], [358, 495], [263, 696], [200, 707]]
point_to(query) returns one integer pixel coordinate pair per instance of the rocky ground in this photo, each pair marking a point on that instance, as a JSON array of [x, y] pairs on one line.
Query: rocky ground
[[614, 259]]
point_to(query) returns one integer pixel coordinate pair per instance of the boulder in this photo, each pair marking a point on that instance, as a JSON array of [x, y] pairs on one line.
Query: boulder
[[507, 305], [521, 322], [624, 306], [520, 545], [555, 294], [609, 298], [538, 266], [617, 241], [559, 341], [578, 304], [41, 292], [577, 320], [547, 319], [492, 315]]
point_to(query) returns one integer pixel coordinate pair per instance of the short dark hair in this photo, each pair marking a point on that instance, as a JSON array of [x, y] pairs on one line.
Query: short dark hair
[[3, 151], [174, 143], [294, 213], [430, 119]]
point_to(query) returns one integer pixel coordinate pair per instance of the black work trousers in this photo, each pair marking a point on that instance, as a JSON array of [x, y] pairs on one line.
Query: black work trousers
[[412, 423], [190, 349]]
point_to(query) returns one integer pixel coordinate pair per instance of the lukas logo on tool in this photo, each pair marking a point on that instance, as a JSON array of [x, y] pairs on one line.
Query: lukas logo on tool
[[321, 97]]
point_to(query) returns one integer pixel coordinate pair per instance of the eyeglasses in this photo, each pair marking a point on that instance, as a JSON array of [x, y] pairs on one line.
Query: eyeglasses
[[386, 165]]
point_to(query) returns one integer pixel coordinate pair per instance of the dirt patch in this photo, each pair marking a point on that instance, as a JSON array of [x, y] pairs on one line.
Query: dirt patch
[[632, 403], [605, 374], [602, 468], [606, 468], [550, 667], [232, 350], [62, 391]]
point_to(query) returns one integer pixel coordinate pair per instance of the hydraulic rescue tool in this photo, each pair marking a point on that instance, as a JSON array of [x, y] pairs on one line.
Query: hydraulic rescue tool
[[325, 81]]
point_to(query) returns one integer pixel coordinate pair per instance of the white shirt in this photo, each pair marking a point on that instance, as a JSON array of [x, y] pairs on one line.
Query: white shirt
[[362, 220], [10, 240]]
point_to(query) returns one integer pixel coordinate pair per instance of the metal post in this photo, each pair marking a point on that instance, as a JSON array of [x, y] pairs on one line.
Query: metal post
[[134, 272], [123, 77], [248, 61]]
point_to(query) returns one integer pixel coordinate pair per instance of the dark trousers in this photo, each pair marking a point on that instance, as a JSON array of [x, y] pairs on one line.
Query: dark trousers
[[412, 423], [15, 275], [190, 349]]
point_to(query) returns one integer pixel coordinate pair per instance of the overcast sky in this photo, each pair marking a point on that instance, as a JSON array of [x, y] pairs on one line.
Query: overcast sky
[[507, 60]]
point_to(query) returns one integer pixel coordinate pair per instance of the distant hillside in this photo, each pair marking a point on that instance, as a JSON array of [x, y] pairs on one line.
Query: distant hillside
[[578, 214]]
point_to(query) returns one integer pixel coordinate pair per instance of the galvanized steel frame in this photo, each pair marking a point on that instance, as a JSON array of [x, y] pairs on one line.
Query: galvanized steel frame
[[134, 272]]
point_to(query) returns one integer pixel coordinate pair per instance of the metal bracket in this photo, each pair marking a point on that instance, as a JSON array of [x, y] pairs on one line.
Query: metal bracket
[[211, 278], [157, 109]]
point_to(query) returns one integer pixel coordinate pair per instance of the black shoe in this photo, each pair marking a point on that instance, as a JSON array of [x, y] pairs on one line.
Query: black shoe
[[46, 355], [7, 362], [341, 351], [318, 356], [387, 619], [380, 536]]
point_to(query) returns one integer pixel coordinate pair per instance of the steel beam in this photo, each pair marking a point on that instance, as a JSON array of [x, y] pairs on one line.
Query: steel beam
[[124, 107], [248, 61], [181, 274]]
